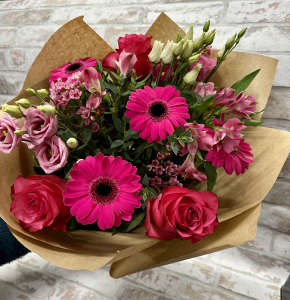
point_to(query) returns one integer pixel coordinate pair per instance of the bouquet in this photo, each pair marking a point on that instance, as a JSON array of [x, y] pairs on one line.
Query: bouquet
[[130, 153]]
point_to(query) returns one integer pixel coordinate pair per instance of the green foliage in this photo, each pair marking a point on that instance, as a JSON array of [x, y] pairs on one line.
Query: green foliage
[[127, 226], [242, 84], [253, 123]]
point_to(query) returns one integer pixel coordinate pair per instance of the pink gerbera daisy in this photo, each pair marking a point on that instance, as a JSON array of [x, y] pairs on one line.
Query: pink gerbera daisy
[[103, 189], [67, 70], [154, 113]]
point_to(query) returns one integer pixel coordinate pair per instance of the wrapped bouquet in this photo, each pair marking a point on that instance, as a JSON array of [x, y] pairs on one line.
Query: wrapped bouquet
[[140, 156]]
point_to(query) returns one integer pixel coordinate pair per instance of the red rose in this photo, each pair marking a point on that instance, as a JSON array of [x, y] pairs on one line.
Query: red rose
[[181, 213], [38, 202], [132, 43]]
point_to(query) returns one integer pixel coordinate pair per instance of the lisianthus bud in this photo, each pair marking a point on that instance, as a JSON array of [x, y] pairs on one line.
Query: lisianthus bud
[[230, 42], [154, 55], [13, 110], [178, 48], [242, 32], [206, 26], [186, 50], [25, 103], [221, 53], [208, 39], [19, 132], [179, 36], [43, 93], [189, 34], [167, 53], [72, 143], [31, 92], [194, 58], [191, 76], [47, 110], [198, 42]]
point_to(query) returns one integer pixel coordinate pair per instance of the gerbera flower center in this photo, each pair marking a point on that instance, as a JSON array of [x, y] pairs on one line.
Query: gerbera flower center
[[73, 68], [158, 110], [104, 190]]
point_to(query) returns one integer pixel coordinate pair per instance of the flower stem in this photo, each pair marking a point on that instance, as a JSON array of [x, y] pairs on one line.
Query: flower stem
[[161, 69]]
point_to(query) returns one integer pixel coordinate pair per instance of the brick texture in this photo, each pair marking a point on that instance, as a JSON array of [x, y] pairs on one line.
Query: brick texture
[[258, 268]]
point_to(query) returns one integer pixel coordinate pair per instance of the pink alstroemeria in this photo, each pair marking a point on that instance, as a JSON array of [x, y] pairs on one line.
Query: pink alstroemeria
[[208, 90], [126, 62], [188, 170], [93, 102], [202, 138], [91, 79], [227, 134]]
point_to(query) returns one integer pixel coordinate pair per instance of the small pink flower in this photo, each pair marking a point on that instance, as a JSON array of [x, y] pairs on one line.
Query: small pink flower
[[202, 138], [8, 140], [126, 62], [95, 127], [236, 160], [205, 92], [188, 170], [38, 126], [160, 155], [87, 122], [93, 102], [84, 112], [103, 189], [52, 154]]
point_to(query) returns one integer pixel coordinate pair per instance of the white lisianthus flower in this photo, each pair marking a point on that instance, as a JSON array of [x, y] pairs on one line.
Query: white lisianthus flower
[[154, 55], [167, 53]]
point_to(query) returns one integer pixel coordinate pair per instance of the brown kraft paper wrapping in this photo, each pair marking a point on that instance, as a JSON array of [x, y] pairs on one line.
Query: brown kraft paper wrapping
[[239, 196]]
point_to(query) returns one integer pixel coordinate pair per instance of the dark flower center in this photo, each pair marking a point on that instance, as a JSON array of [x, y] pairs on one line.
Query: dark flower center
[[104, 190], [74, 67], [157, 110]]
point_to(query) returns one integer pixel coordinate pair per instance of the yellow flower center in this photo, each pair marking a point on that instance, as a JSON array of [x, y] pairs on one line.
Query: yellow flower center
[[39, 128], [49, 153], [5, 132], [162, 73]]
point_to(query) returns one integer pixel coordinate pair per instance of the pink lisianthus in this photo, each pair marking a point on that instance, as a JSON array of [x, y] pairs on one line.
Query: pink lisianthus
[[136, 44], [237, 160], [38, 202], [207, 66], [38, 126], [126, 62], [155, 113], [202, 138], [188, 170], [103, 189], [93, 102], [8, 140], [67, 70], [227, 134], [52, 154], [208, 90]]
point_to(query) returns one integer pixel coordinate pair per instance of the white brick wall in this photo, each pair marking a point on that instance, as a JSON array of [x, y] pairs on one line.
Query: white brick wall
[[256, 270]]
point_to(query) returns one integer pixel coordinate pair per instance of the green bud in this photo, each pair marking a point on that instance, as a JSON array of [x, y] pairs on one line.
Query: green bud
[[178, 48], [186, 51], [198, 43], [25, 103], [106, 100], [72, 143], [221, 53], [242, 32], [31, 92], [230, 42], [179, 36], [206, 26], [189, 34], [13, 110], [43, 93], [193, 59], [208, 39], [19, 132], [47, 110], [191, 76]]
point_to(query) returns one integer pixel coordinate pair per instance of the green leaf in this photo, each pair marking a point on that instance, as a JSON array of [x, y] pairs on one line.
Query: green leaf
[[87, 134], [149, 153], [210, 172], [112, 88], [118, 123], [72, 224], [117, 143], [204, 106], [68, 121], [253, 123], [99, 67], [152, 192], [65, 134], [131, 134], [178, 131], [136, 221], [174, 147], [195, 95], [125, 120], [145, 181], [126, 156], [126, 93], [242, 84], [199, 155]]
